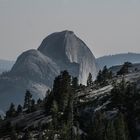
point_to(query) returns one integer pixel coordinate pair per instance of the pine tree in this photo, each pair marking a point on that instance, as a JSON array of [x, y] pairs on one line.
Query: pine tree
[[89, 80], [69, 116], [124, 68], [47, 94], [1, 119], [65, 133], [11, 112], [118, 94], [39, 101], [28, 101], [103, 77], [48, 102], [97, 127], [110, 131], [62, 89], [33, 107], [62, 105], [55, 114], [99, 77], [121, 128], [110, 75], [75, 83], [105, 72], [13, 134], [19, 109], [124, 95]]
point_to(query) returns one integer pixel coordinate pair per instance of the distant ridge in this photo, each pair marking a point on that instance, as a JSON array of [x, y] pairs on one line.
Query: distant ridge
[[5, 65], [118, 59]]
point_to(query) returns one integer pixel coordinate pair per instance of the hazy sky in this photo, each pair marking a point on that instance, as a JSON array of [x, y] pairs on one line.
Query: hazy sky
[[106, 26]]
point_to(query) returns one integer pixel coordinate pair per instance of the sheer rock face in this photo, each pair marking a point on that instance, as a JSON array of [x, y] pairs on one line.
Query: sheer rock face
[[71, 53], [35, 70]]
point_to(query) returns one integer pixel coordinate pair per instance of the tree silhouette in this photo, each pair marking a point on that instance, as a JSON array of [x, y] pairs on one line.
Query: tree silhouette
[[11, 112], [124, 68], [89, 80], [28, 101], [19, 109]]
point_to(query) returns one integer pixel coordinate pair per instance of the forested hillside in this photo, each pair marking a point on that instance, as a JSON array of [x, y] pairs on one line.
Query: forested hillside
[[106, 109]]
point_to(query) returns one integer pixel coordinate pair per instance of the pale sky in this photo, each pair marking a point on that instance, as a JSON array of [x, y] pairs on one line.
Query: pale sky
[[106, 26]]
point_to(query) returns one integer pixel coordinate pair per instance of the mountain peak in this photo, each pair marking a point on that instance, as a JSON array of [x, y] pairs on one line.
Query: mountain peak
[[54, 45], [36, 69], [65, 48], [67, 32]]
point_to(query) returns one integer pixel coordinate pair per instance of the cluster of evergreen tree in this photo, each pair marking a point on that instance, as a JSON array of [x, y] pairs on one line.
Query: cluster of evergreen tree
[[103, 76], [125, 96], [28, 107], [61, 103], [125, 68], [102, 79], [125, 105], [61, 106], [103, 128]]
